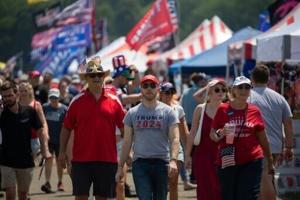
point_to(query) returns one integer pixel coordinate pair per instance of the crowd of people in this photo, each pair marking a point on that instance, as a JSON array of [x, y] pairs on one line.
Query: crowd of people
[[97, 126]]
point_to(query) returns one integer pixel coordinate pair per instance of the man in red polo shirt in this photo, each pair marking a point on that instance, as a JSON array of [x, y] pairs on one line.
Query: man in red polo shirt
[[93, 115]]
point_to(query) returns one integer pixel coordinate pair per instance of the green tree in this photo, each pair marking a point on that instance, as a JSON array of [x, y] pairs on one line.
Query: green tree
[[17, 28]]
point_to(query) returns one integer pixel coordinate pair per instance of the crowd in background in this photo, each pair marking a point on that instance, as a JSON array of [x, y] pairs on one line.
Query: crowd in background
[[98, 125]]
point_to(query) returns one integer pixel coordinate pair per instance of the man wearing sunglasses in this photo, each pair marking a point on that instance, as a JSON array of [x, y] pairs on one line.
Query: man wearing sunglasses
[[152, 128], [277, 115], [93, 115]]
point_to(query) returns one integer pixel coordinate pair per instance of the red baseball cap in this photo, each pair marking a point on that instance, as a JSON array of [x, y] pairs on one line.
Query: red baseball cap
[[34, 74], [150, 78]]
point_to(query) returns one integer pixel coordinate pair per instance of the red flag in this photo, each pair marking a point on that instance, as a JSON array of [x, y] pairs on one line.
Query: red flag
[[157, 22]]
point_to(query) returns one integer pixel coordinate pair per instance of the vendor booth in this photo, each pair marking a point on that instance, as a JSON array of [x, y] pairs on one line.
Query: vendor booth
[[245, 52], [281, 52]]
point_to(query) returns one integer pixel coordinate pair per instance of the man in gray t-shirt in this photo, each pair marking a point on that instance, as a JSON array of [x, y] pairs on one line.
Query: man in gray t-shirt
[[277, 115], [152, 128]]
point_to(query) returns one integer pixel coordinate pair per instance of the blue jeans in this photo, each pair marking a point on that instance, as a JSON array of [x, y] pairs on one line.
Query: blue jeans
[[241, 182], [150, 178]]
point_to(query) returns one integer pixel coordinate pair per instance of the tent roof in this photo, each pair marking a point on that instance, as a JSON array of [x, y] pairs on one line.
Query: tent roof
[[118, 47], [206, 36], [287, 25], [216, 56]]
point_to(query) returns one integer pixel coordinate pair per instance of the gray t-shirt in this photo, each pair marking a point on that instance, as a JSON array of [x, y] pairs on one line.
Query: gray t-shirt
[[179, 111], [274, 109], [189, 103], [151, 130]]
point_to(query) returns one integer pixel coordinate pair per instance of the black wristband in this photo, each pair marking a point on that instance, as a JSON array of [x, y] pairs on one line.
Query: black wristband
[[218, 133]]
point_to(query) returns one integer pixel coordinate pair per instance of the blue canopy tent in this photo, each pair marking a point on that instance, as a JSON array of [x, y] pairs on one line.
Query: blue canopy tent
[[213, 61]]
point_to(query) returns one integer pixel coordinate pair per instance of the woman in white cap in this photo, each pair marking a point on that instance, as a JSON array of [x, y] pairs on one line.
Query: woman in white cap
[[204, 154], [239, 130]]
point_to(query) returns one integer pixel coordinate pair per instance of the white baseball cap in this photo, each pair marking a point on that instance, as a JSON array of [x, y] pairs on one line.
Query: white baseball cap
[[241, 80], [54, 92]]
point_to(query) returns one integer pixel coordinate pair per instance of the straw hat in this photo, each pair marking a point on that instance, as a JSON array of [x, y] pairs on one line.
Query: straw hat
[[92, 67]]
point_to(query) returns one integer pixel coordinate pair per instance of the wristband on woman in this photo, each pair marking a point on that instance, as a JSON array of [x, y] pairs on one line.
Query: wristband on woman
[[218, 135]]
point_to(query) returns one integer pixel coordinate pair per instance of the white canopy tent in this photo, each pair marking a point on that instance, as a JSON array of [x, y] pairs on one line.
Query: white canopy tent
[[118, 47], [278, 48], [248, 49]]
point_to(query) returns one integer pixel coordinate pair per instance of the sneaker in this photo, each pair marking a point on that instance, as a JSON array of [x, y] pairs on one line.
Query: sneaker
[[46, 188], [189, 186], [60, 187], [129, 192]]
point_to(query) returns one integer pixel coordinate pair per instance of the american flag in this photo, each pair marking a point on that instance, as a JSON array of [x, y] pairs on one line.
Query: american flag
[[227, 155], [173, 14]]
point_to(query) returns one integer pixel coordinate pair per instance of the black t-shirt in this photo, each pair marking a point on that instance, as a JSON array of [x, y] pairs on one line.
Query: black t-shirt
[[16, 136], [41, 93]]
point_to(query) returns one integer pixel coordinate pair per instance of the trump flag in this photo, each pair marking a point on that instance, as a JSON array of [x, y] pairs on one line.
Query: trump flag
[[158, 21]]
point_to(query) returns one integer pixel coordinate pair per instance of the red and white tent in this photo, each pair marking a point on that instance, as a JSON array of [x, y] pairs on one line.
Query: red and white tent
[[207, 35], [247, 49]]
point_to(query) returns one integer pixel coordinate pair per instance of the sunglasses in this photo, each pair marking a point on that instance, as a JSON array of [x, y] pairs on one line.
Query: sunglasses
[[218, 90], [93, 75], [244, 86], [147, 85], [169, 92], [53, 98]]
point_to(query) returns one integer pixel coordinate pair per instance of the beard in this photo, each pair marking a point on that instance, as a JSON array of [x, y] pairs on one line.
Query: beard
[[149, 97], [9, 104]]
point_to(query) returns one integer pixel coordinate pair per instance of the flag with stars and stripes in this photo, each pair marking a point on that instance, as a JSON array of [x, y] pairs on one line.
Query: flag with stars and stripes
[[227, 156]]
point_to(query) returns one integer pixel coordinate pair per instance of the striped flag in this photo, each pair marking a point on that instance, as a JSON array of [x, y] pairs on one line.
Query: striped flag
[[173, 14], [227, 156]]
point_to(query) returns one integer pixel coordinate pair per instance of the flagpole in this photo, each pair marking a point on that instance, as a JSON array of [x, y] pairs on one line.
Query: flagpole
[[176, 34]]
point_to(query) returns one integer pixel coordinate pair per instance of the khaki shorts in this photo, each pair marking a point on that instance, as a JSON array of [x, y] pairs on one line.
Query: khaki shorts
[[11, 177]]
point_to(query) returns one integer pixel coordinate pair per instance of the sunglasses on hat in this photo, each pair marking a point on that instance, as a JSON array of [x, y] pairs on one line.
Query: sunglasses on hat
[[147, 85]]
